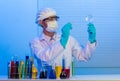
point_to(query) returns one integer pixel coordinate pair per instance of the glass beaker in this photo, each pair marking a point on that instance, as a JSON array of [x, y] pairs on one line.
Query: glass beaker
[[67, 70], [89, 18], [58, 69]]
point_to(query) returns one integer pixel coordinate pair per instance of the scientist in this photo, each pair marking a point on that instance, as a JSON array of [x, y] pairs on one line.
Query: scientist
[[50, 47]]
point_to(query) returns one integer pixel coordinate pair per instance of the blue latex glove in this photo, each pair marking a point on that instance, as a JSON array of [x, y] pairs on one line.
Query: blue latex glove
[[92, 33], [65, 34]]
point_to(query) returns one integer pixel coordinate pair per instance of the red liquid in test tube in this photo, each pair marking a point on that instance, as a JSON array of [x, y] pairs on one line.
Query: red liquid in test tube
[[12, 71]]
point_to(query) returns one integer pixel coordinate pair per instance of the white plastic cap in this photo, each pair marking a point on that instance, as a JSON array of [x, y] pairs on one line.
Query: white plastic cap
[[45, 13]]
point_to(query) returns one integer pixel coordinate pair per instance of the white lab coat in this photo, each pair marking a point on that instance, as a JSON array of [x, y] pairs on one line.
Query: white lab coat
[[51, 51]]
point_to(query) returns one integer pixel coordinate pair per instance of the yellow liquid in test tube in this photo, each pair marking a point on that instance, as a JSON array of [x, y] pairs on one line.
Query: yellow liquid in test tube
[[58, 70]]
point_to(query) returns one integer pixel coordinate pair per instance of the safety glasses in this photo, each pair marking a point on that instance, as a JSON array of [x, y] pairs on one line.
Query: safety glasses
[[51, 18]]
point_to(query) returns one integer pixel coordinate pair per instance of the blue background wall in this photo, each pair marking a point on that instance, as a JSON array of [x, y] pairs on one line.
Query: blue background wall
[[18, 28]]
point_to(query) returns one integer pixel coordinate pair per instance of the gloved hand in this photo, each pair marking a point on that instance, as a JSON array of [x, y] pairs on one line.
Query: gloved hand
[[65, 34], [91, 33]]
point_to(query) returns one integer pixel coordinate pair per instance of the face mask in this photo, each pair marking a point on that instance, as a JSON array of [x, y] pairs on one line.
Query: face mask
[[52, 26]]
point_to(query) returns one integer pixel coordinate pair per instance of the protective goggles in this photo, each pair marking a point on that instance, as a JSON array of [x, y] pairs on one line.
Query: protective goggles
[[51, 18]]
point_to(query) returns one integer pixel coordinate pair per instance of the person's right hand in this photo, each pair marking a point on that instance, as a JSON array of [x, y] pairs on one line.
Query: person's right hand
[[65, 34]]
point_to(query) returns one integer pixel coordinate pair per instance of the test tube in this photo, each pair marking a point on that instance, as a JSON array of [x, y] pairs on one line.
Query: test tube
[[73, 64], [21, 69], [12, 71], [16, 69], [34, 72], [30, 67], [8, 68], [26, 72], [63, 62]]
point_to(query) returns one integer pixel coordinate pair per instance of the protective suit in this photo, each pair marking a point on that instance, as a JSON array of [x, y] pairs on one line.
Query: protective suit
[[51, 50]]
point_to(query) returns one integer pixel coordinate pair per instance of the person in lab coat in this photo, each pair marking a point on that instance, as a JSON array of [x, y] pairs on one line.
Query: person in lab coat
[[50, 47]]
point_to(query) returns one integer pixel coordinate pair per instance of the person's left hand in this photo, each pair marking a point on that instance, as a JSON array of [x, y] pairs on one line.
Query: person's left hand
[[91, 33]]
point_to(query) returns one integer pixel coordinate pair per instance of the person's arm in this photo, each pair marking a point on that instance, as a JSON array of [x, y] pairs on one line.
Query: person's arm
[[81, 52], [45, 54], [84, 53]]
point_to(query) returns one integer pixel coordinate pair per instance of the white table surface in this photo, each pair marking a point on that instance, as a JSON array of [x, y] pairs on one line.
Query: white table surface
[[97, 77], [111, 77]]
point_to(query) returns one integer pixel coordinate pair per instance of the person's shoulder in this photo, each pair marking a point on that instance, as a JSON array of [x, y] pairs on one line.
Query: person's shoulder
[[36, 39]]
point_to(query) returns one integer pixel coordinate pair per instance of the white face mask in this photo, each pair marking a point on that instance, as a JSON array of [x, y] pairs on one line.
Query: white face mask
[[52, 26]]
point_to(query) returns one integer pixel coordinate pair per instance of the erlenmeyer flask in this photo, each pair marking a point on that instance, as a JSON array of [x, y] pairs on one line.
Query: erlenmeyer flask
[[63, 74], [43, 72]]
